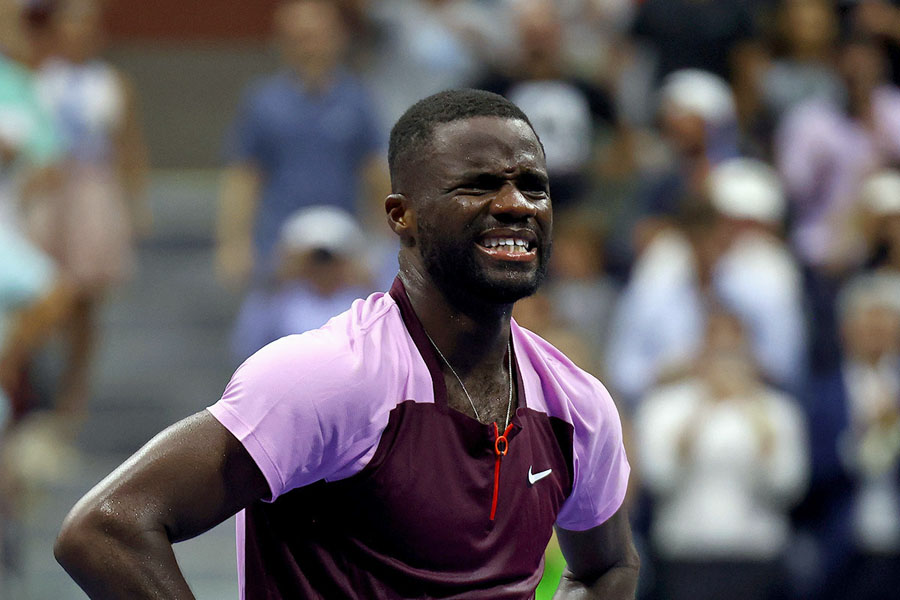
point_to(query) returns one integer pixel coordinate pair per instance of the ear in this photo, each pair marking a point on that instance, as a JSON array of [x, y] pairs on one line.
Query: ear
[[401, 216]]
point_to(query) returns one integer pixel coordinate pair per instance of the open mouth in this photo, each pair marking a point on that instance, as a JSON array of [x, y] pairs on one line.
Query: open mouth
[[509, 247]]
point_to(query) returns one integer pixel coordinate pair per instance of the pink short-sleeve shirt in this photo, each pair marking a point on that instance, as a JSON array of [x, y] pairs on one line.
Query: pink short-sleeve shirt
[[380, 490]]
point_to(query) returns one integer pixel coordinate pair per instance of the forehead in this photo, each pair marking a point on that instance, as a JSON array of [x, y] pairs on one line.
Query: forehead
[[486, 144], [302, 15]]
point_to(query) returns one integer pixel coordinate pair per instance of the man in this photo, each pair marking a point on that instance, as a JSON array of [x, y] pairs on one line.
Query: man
[[419, 445], [307, 135], [853, 509]]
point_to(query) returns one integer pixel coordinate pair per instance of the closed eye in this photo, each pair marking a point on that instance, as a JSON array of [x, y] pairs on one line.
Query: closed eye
[[480, 184]]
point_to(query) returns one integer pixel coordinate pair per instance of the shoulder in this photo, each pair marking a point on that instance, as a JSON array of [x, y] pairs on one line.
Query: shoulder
[[266, 89], [312, 406], [556, 386], [564, 389], [349, 350], [817, 110]]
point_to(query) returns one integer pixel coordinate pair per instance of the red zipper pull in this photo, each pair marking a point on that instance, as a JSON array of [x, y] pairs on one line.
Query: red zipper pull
[[501, 447]]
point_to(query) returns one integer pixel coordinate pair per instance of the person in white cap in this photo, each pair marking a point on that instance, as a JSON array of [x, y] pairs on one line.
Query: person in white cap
[[757, 272], [725, 253], [322, 268], [698, 121], [853, 509]]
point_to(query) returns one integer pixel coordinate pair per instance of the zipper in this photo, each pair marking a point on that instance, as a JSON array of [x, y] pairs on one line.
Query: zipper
[[501, 447]]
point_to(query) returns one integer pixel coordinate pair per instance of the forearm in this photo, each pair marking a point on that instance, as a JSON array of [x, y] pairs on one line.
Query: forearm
[[238, 197], [618, 583], [118, 560]]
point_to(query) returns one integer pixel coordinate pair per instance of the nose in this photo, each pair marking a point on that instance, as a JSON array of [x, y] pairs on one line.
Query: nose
[[511, 204]]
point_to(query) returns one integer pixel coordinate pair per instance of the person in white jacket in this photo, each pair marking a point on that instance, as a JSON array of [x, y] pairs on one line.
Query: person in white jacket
[[724, 457]]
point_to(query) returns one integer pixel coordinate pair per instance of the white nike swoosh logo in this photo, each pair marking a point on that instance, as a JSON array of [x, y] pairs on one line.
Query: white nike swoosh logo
[[533, 477]]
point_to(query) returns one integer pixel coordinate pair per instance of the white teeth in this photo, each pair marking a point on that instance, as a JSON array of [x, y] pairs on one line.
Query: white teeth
[[515, 244]]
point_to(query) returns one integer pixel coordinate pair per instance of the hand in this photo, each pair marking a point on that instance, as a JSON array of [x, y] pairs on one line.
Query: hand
[[762, 424]]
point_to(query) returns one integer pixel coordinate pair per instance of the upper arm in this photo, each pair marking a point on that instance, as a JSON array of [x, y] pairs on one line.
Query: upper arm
[[187, 479], [601, 467], [591, 553]]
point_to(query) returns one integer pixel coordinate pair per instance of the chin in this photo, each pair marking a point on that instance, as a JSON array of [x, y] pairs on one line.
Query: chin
[[503, 287], [470, 279]]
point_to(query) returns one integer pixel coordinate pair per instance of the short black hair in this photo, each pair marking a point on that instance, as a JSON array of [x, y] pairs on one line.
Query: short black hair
[[414, 129]]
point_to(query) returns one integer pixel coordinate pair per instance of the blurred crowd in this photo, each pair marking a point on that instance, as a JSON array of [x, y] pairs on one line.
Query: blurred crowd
[[726, 183]]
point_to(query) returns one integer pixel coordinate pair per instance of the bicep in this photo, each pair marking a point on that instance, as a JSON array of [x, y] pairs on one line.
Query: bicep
[[187, 479], [591, 553]]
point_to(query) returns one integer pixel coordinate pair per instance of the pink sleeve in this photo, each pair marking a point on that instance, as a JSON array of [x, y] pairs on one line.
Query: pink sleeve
[[294, 405], [601, 467]]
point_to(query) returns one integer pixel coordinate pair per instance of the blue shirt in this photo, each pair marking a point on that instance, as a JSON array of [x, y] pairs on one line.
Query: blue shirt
[[309, 148]]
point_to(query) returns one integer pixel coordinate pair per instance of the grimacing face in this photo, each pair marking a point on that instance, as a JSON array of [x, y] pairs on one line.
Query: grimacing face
[[483, 210]]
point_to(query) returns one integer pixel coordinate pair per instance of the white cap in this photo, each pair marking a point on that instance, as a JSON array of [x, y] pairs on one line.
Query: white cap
[[699, 93], [881, 192], [322, 228], [745, 188]]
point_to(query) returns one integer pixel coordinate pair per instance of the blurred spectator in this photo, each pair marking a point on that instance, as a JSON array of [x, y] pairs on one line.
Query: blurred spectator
[[698, 123], [853, 508], [89, 225], [568, 113], [802, 67], [879, 18], [28, 149], [756, 275], [824, 149], [695, 34], [724, 457], [425, 46], [717, 36], [880, 198], [321, 272], [582, 295], [727, 254], [305, 136]]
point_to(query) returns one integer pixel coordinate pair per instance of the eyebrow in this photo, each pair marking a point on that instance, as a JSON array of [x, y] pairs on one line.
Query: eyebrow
[[530, 176]]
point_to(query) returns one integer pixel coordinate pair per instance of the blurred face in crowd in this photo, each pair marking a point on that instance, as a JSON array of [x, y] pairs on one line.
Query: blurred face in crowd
[[862, 66], [12, 30], [79, 30], [326, 271], [726, 364], [890, 229], [871, 331], [483, 216], [311, 35], [540, 35], [577, 251], [686, 131], [808, 27]]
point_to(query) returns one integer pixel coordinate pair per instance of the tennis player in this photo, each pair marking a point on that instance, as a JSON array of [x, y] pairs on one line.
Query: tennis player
[[419, 445]]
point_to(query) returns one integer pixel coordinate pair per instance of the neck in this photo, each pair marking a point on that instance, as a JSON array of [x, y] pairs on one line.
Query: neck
[[470, 333], [315, 79]]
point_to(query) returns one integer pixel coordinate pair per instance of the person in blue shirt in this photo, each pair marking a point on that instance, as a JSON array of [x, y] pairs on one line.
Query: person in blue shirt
[[307, 135]]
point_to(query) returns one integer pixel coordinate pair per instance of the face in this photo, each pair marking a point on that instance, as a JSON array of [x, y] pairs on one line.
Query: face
[[862, 66], [311, 35], [483, 215], [809, 25], [79, 30], [872, 332]]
